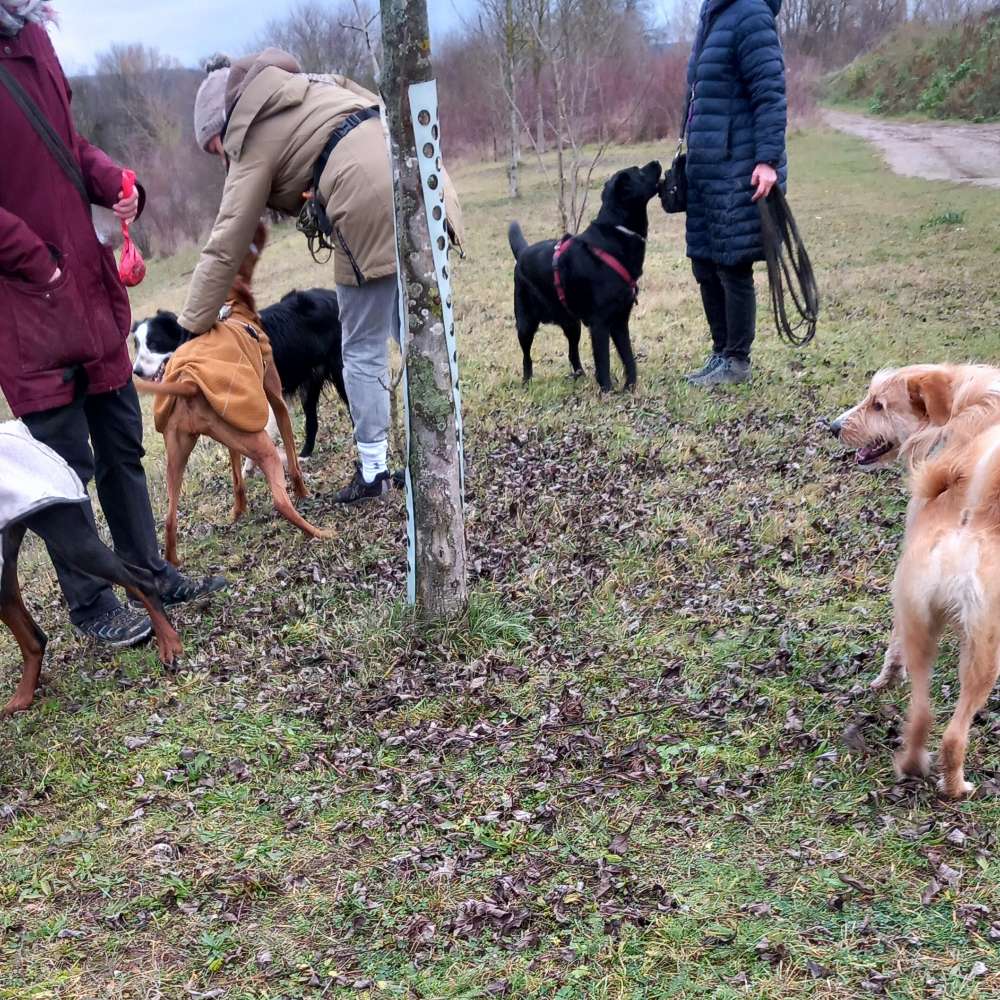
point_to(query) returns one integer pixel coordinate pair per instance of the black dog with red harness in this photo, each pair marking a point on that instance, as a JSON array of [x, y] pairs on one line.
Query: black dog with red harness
[[589, 279]]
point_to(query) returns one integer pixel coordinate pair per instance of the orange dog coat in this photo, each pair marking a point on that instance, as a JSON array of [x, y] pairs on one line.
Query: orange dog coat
[[227, 364]]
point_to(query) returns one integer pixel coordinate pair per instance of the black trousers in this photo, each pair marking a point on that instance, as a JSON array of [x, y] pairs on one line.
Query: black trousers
[[112, 422], [730, 301]]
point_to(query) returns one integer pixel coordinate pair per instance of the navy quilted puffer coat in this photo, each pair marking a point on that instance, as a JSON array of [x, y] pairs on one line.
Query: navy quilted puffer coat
[[738, 119]]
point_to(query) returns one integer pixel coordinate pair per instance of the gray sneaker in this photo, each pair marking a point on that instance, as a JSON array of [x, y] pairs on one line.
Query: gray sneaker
[[120, 628], [732, 371], [713, 362]]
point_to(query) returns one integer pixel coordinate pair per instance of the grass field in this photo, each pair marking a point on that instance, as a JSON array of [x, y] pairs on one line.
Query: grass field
[[649, 766]]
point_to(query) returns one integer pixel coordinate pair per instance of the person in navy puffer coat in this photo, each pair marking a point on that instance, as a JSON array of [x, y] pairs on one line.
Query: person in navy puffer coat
[[736, 154]]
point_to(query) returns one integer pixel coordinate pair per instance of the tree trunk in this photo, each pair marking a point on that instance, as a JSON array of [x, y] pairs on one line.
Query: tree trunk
[[539, 115], [510, 84], [439, 581], [515, 146], [560, 147]]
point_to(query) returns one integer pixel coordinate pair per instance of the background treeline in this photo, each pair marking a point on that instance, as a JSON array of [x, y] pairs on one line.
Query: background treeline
[[949, 70], [553, 80]]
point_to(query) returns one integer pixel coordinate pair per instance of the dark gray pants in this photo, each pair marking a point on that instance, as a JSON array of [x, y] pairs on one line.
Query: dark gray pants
[[112, 422], [730, 301]]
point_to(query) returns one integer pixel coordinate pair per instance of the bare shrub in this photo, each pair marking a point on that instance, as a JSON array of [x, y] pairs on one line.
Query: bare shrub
[[322, 38]]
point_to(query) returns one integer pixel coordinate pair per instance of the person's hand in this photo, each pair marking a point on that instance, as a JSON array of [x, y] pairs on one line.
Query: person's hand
[[763, 179], [127, 208], [56, 275]]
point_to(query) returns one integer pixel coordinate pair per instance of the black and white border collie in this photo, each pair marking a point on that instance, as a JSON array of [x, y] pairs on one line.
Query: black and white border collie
[[305, 335]]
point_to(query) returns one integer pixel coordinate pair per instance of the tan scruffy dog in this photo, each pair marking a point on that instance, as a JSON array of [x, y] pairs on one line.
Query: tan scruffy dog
[[910, 413], [950, 575]]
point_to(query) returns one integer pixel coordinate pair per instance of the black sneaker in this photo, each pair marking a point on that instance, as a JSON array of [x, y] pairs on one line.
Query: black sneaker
[[713, 362], [358, 490], [120, 628], [187, 590], [399, 479]]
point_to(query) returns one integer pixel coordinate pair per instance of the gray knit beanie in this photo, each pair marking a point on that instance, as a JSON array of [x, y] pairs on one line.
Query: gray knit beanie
[[210, 104]]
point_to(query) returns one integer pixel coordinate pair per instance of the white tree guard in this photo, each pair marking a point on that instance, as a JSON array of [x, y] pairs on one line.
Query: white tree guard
[[427, 136]]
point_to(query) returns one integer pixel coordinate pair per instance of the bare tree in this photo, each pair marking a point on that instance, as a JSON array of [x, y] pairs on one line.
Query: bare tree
[[949, 10], [579, 62], [504, 24], [320, 35], [833, 32], [137, 105], [434, 461]]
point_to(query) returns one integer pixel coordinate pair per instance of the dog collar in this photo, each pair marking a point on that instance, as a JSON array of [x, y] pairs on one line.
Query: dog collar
[[629, 232]]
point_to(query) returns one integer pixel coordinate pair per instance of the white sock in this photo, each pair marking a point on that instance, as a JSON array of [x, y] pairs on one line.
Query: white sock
[[374, 459]]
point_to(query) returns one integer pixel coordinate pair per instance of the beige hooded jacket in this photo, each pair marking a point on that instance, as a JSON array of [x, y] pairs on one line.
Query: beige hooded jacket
[[279, 122]]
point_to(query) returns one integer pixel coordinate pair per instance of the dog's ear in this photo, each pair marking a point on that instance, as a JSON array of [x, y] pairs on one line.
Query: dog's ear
[[931, 395]]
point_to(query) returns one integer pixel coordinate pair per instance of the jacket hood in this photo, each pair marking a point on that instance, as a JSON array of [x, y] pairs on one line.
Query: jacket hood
[[260, 86]]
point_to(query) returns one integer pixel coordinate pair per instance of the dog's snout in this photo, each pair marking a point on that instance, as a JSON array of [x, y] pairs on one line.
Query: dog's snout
[[835, 427]]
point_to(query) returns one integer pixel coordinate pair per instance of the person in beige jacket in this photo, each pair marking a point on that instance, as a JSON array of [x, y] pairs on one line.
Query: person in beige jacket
[[270, 122]]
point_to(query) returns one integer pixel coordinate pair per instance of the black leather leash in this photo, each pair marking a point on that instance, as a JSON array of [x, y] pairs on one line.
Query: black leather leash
[[789, 270]]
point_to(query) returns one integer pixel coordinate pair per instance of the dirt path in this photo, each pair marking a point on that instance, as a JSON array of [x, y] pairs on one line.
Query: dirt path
[[936, 152]]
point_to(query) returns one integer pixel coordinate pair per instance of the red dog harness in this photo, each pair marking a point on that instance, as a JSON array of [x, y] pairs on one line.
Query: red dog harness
[[603, 256]]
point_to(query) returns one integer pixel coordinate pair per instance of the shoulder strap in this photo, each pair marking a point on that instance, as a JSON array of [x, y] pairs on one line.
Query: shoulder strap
[[685, 115], [699, 43], [46, 133]]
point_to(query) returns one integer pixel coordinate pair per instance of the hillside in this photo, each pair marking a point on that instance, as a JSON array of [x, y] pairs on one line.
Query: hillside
[[650, 765], [947, 71]]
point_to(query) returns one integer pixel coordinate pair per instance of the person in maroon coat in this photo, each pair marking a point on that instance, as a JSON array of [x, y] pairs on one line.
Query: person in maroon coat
[[65, 320]]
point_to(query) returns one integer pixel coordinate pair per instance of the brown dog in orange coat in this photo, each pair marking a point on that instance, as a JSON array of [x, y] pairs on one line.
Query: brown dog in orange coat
[[186, 415]]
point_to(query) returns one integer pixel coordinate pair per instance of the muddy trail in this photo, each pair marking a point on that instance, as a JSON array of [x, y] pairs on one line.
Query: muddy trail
[[934, 151]]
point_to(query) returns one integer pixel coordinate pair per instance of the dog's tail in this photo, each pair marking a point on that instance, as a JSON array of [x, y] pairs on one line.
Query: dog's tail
[[518, 244], [242, 285], [937, 476], [984, 503], [977, 489], [183, 388]]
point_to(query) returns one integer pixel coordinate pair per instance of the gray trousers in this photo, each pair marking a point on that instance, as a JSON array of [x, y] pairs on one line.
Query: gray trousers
[[369, 316]]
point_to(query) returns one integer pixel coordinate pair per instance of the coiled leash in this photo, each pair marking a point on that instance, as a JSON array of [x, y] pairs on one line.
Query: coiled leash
[[789, 270]]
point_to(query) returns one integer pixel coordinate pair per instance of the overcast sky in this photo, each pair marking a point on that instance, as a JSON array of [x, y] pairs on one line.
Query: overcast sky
[[187, 29]]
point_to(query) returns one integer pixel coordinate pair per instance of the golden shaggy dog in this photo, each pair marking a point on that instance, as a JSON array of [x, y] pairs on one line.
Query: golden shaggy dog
[[950, 575], [911, 413]]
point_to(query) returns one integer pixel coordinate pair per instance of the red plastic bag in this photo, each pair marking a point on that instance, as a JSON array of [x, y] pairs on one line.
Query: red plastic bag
[[132, 268]]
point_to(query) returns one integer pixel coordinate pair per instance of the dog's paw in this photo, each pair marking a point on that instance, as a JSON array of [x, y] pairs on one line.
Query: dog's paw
[[170, 651], [19, 703], [955, 789], [892, 673], [913, 763]]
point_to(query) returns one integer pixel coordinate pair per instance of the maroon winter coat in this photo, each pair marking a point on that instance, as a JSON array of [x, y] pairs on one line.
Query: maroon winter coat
[[83, 319]]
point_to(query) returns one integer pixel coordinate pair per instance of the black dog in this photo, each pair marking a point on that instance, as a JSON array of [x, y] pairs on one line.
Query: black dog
[[305, 335], [590, 278], [69, 534]]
